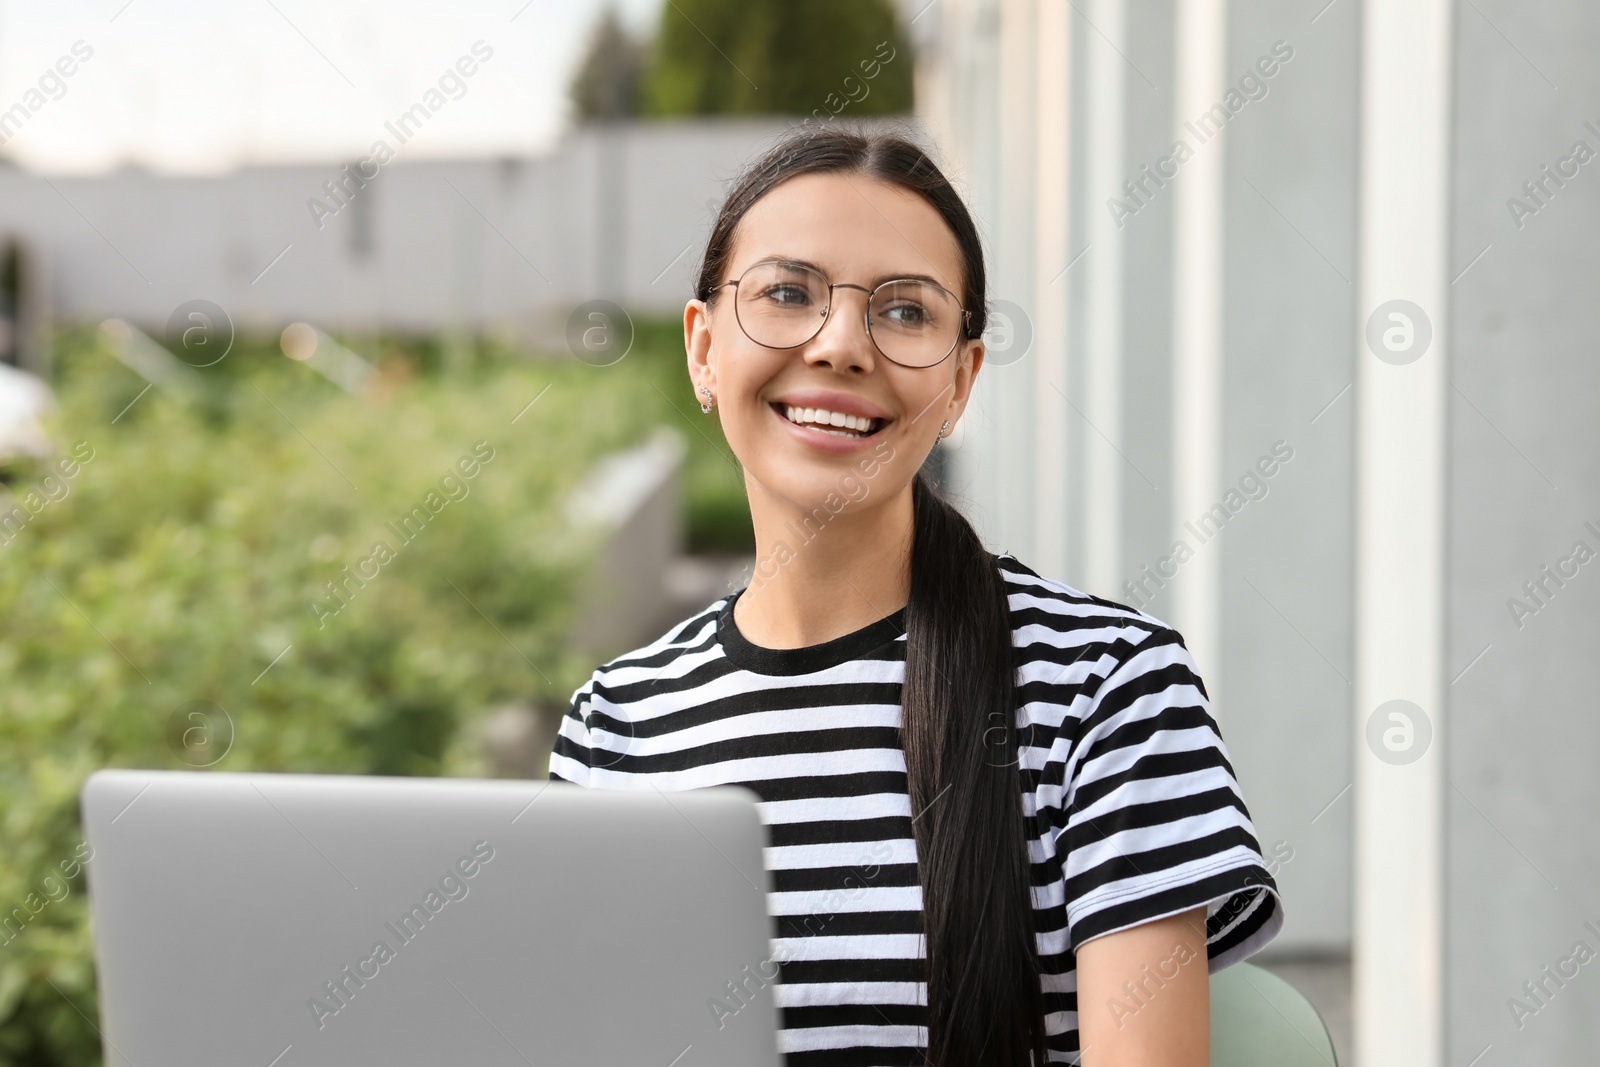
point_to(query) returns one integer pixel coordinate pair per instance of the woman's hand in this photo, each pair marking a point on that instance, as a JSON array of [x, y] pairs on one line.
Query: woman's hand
[[1144, 996]]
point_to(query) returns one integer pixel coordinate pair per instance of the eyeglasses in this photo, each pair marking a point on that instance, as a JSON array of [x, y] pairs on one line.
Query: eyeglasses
[[911, 321]]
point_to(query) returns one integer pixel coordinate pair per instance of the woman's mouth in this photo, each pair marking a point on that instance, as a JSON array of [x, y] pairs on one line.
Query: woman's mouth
[[836, 423]]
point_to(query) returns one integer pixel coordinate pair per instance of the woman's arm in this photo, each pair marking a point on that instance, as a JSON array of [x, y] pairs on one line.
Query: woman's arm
[[1144, 995]]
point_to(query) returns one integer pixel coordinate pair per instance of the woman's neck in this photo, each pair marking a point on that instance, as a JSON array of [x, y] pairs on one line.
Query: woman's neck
[[819, 574]]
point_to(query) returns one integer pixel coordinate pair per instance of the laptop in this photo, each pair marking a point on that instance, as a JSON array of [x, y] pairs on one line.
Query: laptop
[[288, 920]]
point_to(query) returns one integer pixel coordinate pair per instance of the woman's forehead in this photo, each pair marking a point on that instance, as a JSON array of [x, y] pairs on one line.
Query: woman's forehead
[[851, 227]]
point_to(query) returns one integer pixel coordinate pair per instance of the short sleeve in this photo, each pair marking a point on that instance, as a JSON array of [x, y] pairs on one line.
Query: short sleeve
[[1153, 821], [571, 759]]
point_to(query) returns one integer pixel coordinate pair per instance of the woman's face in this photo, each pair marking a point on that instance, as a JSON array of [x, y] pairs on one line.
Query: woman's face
[[856, 230]]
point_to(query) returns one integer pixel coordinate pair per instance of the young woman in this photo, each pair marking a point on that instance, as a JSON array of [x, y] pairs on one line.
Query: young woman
[[1003, 823]]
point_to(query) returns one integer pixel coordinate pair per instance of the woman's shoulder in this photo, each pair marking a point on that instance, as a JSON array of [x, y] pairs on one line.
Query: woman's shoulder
[[1070, 644], [696, 632], [1078, 654], [1040, 601]]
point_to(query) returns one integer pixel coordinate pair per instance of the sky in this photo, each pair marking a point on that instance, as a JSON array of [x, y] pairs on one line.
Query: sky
[[201, 86]]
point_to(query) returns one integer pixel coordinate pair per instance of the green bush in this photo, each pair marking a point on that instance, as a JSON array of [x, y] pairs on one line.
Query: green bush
[[187, 552], [716, 512]]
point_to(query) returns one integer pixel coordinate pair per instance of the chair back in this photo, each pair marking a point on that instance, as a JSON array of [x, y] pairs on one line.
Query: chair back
[[1259, 1020]]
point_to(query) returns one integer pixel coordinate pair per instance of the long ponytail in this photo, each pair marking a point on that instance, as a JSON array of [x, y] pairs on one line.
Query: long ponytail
[[985, 1005]]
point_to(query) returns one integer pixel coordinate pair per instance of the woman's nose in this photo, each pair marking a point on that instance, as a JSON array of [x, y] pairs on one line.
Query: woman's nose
[[843, 342]]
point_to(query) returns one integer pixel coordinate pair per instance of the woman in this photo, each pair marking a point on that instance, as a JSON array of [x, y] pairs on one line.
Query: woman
[[1003, 824]]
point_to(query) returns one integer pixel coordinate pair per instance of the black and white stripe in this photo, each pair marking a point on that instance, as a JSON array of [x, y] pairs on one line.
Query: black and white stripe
[[1132, 808]]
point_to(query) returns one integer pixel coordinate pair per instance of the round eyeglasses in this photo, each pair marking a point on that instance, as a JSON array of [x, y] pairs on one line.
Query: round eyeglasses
[[912, 321]]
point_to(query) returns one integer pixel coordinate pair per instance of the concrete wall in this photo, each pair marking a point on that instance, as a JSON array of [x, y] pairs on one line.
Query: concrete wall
[[1146, 512], [1524, 482], [496, 243], [1287, 336], [1288, 349]]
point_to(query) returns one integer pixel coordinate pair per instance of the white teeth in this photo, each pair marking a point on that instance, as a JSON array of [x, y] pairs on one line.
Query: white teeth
[[820, 418]]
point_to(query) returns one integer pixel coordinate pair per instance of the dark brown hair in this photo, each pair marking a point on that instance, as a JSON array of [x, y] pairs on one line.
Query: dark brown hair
[[958, 728]]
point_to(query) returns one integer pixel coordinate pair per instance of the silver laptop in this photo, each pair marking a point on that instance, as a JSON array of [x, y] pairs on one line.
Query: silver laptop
[[278, 920]]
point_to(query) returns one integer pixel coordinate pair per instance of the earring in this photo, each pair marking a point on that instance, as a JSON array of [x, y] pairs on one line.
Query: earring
[[943, 430], [705, 407]]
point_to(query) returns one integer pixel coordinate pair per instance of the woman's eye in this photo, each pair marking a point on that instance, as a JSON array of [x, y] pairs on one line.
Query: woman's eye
[[907, 315], [793, 295]]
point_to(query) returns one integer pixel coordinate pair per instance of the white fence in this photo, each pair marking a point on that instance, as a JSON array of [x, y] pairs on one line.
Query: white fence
[[616, 212]]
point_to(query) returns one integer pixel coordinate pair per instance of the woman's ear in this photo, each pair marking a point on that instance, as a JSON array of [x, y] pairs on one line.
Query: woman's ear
[[966, 373], [697, 343]]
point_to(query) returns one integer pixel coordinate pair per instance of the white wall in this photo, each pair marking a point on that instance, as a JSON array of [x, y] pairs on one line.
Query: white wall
[[498, 243], [1524, 480], [1286, 339]]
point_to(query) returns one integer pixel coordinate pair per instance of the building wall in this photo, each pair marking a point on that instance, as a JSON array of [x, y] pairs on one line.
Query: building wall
[[1289, 341], [423, 245], [1147, 513], [1285, 558], [1524, 485]]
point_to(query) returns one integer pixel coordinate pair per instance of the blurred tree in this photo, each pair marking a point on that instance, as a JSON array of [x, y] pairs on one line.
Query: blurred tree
[[606, 85], [778, 57]]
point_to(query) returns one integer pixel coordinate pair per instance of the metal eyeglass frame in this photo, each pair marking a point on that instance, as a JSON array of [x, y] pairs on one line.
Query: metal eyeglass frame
[[866, 314]]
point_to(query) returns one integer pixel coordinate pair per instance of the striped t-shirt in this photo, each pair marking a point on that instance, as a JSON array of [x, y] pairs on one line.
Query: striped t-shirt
[[1130, 803]]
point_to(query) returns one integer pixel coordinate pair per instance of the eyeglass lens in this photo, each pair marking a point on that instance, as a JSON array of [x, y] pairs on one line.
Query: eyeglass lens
[[782, 305]]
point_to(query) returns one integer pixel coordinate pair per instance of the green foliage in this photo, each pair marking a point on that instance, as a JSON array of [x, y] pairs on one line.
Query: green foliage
[[716, 512], [779, 57], [185, 555]]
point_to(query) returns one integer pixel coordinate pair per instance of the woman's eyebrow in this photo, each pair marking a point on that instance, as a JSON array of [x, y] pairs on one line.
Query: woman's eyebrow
[[789, 261], [793, 261]]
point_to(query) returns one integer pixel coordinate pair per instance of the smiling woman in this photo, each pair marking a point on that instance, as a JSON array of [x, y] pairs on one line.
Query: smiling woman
[[1036, 769]]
